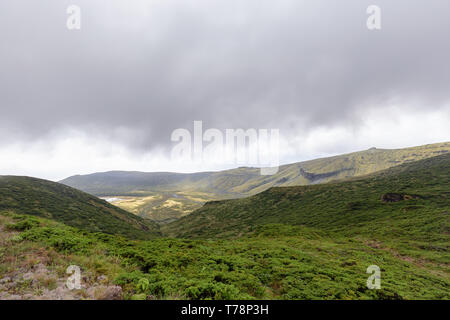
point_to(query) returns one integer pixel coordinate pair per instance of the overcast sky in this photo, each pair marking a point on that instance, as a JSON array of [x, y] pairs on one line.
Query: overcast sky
[[109, 96]]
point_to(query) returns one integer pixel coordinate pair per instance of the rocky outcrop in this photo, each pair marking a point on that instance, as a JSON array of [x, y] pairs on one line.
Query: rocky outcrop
[[396, 197], [40, 283]]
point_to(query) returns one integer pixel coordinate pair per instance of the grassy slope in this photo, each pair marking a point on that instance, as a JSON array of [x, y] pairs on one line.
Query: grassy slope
[[237, 182], [342, 228], [341, 167], [277, 261], [418, 227], [59, 202]]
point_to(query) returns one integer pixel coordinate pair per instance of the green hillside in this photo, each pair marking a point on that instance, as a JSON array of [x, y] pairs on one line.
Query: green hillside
[[52, 200], [406, 207], [342, 167], [274, 261], [164, 197], [304, 242]]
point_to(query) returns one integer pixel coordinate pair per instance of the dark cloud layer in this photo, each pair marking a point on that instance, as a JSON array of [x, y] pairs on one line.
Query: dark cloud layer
[[137, 70]]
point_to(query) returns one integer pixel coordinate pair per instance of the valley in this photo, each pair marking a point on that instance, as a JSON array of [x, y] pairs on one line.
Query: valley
[[225, 150], [308, 242], [162, 207], [165, 197]]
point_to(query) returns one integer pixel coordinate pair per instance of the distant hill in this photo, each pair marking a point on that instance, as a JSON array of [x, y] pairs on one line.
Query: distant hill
[[131, 182], [411, 201], [56, 201], [244, 181], [302, 242], [164, 196]]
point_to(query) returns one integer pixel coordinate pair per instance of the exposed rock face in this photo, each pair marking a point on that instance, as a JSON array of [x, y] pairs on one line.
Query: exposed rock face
[[317, 177], [396, 197], [61, 292], [113, 293], [105, 292], [5, 280], [392, 197], [39, 274]]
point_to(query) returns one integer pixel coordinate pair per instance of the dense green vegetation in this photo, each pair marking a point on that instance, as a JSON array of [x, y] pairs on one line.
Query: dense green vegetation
[[237, 183], [415, 229], [304, 242], [75, 208], [275, 262], [417, 226]]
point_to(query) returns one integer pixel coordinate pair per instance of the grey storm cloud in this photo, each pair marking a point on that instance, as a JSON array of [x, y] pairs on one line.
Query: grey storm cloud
[[149, 67]]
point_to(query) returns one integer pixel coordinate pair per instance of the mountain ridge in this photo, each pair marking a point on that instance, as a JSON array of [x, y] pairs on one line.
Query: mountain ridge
[[306, 169], [297, 242], [164, 197], [424, 186]]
